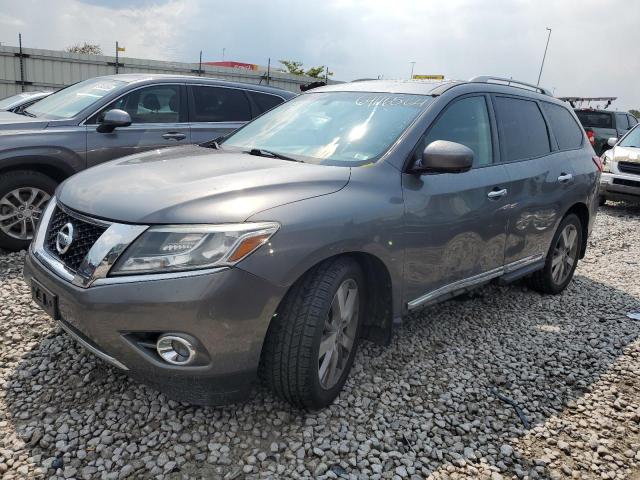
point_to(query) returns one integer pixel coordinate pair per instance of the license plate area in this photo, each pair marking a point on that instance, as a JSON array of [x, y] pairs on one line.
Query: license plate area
[[45, 298]]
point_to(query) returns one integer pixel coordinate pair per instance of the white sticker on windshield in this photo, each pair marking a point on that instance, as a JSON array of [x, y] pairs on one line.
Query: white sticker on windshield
[[390, 101]]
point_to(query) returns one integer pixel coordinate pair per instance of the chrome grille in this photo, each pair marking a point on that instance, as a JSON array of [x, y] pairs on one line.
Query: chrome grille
[[85, 235]]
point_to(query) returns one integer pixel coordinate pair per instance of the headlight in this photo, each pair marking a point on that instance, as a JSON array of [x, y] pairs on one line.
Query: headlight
[[190, 247]]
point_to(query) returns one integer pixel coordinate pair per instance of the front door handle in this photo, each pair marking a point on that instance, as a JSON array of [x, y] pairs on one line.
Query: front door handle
[[495, 193], [565, 177], [174, 136]]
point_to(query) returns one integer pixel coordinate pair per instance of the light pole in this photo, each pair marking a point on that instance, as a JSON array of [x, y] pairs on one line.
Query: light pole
[[413, 64], [223, 50], [544, 56]]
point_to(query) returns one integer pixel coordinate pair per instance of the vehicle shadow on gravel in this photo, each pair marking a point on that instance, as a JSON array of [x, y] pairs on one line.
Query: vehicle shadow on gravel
[[433, 401]]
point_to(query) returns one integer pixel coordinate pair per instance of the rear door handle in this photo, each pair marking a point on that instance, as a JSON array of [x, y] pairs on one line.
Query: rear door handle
[[565, 178], [174, 136], [495, 194]]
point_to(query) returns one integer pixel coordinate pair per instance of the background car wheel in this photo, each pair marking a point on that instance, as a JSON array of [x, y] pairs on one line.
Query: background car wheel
[[602, 200], [312, 340], [23, 196], [562, 258]]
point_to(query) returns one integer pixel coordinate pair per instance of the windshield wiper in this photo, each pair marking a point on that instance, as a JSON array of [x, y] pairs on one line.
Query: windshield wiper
[[28, 114], [261, 152]]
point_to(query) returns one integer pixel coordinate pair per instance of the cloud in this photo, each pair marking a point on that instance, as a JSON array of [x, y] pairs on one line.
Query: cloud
[[590, 53]]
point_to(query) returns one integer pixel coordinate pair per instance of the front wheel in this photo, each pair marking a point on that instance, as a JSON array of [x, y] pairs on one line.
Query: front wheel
[[562, 258], [312, 340], [23, 196]]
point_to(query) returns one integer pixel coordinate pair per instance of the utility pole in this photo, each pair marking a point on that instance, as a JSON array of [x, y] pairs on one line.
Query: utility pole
[[200, 64], [544, 56], [268, 69], [413, 64], [223, 50], [117, 50], [21, 62], [326, 76]]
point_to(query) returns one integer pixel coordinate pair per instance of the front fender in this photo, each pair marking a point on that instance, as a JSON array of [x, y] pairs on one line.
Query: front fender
[[64, 160], [364, 217]]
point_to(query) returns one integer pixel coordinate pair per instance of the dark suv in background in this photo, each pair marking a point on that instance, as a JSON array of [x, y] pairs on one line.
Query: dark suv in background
[[105, 118], [326, 219], [601, 125]]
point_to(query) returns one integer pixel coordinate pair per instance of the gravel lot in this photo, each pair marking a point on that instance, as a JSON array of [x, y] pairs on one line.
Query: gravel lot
[[430, 404]]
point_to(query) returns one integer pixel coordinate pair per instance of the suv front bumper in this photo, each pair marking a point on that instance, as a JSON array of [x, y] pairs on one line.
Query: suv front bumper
[[227, 312], [620, 186]]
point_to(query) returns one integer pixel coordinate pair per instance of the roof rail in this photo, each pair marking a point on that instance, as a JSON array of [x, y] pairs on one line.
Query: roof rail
[[509, 82], [587, 100]]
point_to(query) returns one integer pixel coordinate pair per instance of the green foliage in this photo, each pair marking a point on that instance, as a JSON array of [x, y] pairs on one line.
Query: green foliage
[[86, 48], [317, 72], [296, 68], [635, 113], [293, 67]]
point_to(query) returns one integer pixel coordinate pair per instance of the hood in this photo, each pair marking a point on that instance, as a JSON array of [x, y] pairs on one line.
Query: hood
[[13, 121], [194, 184], [626, 154]]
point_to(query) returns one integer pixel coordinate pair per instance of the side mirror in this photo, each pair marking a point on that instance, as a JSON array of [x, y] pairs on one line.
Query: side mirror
[[444, 157], [612, 141], [113, 119]]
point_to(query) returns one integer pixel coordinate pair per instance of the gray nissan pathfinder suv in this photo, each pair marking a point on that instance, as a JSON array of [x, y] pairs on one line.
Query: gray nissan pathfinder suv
[[272, 253], [105, 118]]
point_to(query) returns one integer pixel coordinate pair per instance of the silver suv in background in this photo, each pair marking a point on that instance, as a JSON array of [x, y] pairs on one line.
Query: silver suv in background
[[325, 220], [105, 118], [621, 175]]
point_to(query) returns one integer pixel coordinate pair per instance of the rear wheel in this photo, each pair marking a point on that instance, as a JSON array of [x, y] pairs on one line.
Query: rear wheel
[[312, 340], [602, 200], [562, 258], [23, 196]]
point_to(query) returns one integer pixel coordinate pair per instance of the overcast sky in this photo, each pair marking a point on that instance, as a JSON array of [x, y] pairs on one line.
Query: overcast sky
[[593, 49]]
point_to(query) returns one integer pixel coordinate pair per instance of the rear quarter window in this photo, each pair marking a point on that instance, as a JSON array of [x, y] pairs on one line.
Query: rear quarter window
[[567, 132], [521, 128], [595, 119]]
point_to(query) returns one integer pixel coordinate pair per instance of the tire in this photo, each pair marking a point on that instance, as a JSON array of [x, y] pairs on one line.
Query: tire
[[291, 362], [547, 280], [602, 200], [16, 188]]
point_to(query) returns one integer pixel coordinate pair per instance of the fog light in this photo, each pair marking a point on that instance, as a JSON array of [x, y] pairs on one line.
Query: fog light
[[175, 350]]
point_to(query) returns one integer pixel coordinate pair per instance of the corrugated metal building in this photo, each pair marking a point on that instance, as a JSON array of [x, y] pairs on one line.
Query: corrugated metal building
[[51, 70]]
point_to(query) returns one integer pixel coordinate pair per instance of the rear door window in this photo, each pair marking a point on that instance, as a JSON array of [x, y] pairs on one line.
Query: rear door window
[[622, 123], [595, 119], [219, 104], [632, 120], [265, 101], [567, 132], [521, 128]]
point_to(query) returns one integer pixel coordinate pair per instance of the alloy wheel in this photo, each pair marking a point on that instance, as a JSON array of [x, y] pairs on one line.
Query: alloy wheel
[[20, 211], [565, 254], [339, 334]]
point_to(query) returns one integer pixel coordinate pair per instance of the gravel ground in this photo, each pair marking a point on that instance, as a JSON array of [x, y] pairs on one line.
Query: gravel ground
[[436, 402]]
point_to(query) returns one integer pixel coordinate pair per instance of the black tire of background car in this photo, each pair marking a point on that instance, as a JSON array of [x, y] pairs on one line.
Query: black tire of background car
[[542, 280], [289, 362], [16, 179]]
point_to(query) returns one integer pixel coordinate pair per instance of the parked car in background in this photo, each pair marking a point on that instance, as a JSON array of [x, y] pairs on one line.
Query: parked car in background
[[327, 219], [105, 118], [601, 125], [17, 103], [621, 175]]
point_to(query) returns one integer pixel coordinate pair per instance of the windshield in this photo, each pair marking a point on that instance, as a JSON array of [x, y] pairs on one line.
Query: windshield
[[632, 139], [72, 100], [595, 119], [332, 128]]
